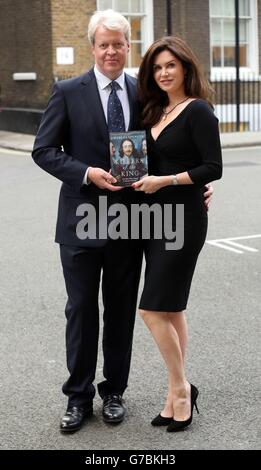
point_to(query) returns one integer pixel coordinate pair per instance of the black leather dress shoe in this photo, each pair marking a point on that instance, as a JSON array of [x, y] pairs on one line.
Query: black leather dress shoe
[[113, 409], [74, 417]]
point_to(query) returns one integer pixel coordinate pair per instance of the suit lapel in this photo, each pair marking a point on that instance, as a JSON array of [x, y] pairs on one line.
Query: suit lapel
[[94, 107], [131, 90]]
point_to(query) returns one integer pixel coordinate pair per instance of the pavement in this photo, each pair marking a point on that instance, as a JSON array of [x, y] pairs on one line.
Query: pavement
[[24, 142]]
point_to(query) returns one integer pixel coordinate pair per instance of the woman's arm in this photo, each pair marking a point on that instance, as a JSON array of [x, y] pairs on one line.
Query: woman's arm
[[205, 136]]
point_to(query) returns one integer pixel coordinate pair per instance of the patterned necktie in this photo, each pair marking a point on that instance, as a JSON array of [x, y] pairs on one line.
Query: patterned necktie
[[115, 114]]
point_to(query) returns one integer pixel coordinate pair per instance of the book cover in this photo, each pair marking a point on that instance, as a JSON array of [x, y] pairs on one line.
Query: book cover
[[128, 154]]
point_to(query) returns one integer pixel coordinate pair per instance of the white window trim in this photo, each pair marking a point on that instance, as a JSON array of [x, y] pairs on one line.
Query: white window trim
[[229, 74], [147, 34], [148, 26], [247, 73]]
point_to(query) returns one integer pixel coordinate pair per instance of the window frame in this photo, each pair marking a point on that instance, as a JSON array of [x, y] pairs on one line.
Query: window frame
[[250, 72]]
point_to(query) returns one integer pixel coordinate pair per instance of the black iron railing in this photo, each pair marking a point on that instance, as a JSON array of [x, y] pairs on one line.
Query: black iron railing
[[226, 96]]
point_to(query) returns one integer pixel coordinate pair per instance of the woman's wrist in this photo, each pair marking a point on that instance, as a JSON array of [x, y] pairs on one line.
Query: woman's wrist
[[165, 181], [169, 180]]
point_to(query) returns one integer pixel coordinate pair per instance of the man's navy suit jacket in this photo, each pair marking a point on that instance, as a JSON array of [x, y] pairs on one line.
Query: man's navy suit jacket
[[72, 136]]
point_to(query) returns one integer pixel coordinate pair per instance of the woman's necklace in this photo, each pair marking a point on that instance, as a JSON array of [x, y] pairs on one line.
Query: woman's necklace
[[165, 114]]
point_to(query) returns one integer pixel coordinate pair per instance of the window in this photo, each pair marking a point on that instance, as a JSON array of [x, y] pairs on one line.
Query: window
[[140, 15], [222, 34]]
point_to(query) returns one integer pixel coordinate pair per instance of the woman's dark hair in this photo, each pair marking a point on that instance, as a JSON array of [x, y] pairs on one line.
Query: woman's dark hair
[[151, 97], [134, 150]]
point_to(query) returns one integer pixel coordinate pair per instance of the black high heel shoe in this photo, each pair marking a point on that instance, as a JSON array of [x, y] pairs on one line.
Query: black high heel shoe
[[161, 421], [176, 426]]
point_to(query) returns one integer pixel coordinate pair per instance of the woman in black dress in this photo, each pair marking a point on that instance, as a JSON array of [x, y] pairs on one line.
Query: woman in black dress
[[184, 154]]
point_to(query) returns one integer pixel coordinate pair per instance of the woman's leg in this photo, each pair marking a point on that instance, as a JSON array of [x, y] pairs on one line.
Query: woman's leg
[[166, 337], [179, 321]]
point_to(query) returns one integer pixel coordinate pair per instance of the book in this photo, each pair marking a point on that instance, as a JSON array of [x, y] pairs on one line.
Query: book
[[128, 156]]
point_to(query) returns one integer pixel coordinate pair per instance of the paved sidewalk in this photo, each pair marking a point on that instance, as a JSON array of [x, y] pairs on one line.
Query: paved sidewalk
[[240, 139], [16, 141], [24, 142]]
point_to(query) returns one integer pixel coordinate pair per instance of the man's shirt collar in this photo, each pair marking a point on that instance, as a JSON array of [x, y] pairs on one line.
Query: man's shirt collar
[[104, 81]]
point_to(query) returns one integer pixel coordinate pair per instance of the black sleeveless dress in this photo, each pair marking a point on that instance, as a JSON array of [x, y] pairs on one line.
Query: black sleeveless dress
[[189, 143]]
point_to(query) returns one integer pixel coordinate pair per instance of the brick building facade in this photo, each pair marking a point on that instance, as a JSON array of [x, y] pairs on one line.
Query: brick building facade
[[189, 18], [30, 31], [33, 31]]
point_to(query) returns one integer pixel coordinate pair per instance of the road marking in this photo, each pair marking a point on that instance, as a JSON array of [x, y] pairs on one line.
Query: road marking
[[230, 244]]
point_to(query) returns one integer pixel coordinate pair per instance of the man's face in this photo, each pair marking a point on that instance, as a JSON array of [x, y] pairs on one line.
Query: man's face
[[127, 148], [110, 50]]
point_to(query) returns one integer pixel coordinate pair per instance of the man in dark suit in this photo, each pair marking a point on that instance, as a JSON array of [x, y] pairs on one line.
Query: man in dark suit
[[72, 144]]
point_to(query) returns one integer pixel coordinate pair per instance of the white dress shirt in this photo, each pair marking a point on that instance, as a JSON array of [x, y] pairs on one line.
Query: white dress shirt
[[104, 89]]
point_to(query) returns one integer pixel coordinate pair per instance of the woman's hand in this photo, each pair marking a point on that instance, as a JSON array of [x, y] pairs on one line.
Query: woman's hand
[[151, 184], [208, 194]]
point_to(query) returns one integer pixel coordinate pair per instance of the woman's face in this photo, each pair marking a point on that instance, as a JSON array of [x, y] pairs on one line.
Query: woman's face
[[169, 73], [127, 148]]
